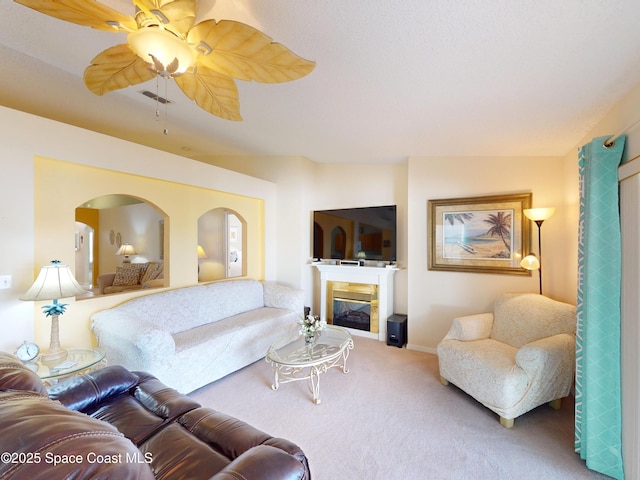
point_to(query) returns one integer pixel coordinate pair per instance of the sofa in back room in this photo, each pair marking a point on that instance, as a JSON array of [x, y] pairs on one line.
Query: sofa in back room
[[192, 336], [132, 276]]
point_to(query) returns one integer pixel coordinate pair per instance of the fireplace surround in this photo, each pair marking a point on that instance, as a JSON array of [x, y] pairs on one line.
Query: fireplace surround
[[358, 285]]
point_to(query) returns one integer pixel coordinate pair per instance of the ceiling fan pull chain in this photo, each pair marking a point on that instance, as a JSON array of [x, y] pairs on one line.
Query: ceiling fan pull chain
[[166, 128], [157, 98], [166, 95]]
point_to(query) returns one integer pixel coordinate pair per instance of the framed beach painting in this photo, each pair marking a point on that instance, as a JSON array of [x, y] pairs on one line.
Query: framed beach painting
[[479, 234]]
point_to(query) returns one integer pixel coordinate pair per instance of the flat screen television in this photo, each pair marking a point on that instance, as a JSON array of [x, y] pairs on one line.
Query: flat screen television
[[355, 233]]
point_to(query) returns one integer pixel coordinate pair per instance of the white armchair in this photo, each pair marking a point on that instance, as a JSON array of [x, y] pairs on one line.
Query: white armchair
[[515, 358]]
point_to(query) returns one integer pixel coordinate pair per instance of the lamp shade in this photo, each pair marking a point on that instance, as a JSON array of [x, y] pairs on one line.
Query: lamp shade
[[126, 249], [540, 214], [157, 43], [201, 252], [54, 281], [530, 262]]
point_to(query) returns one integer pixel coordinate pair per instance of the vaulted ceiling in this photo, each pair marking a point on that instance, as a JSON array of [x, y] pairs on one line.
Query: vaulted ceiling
[[393, 78]]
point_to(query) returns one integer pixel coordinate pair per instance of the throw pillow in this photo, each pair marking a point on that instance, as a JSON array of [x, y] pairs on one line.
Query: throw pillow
[[159, 271], [152, 272], [126, 275]]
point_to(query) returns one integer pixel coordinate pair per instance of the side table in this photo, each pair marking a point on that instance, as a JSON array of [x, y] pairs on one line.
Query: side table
[[77, 362]]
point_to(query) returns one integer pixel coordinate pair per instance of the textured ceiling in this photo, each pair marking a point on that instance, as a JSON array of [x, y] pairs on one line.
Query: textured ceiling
[[393, 78]]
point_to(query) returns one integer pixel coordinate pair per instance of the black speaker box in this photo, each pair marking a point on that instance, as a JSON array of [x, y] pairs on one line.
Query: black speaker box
[[397, 330]]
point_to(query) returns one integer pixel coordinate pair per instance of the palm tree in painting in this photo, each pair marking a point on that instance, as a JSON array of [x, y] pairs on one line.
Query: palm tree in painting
[[451, 218], [500, 225]]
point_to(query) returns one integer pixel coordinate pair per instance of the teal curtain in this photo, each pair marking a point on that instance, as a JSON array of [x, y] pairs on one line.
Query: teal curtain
[[598, 426]]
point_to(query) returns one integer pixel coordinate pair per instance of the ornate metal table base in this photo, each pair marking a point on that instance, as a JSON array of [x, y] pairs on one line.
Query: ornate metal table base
[[307, 362]]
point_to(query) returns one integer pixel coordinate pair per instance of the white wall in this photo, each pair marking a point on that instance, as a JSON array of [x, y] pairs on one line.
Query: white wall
[[630, 328]]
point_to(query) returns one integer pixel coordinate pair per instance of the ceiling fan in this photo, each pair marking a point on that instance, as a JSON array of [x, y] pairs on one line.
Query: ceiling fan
[[163, 40]]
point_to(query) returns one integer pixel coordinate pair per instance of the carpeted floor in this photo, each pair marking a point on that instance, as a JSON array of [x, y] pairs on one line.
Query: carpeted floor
[[390, 418]]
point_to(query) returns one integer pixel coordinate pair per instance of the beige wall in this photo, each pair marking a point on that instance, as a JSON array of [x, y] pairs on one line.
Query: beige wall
[[293, 187], [305, 186], [33, 216], [358, 185], [182, 205], [436, 297], [295, 181]]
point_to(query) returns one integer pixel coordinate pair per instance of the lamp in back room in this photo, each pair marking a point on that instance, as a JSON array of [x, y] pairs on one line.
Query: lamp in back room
[[126, 249]]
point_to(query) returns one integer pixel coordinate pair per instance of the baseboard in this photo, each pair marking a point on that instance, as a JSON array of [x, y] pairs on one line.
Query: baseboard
[[420, 348]]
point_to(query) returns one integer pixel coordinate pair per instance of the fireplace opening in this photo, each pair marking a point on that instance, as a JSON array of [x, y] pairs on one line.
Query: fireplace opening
[[352, 314], [354, 305]]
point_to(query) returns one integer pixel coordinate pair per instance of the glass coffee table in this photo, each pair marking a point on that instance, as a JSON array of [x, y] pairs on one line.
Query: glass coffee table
[[292, 359], [77, 362]]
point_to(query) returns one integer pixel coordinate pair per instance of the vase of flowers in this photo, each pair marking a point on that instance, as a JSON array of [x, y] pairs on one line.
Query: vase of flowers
[[310, 327]]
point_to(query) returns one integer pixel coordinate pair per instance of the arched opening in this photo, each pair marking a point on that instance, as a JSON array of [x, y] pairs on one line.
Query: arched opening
[[221, 245], [119, 244]]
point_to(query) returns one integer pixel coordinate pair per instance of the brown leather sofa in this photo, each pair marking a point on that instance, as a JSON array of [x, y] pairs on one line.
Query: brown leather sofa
[[113, 423]]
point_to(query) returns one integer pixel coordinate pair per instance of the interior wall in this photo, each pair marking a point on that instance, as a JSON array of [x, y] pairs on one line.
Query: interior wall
[[630, 328], [296, 181], [87, 220], [25, 137], [138, 225], [436, 297], [16, 242], [304, 186], [358, 185], [211, 239], [182, 205]]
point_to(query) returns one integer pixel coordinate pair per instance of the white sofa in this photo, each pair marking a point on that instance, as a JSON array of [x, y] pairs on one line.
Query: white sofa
[[189, 337], [515, 358]]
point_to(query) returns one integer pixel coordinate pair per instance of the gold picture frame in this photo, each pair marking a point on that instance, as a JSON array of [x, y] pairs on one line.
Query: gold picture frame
[[487, 234]]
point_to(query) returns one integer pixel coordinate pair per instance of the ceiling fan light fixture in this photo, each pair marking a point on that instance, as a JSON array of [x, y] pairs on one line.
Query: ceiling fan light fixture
[[163, 39], [157, 45]]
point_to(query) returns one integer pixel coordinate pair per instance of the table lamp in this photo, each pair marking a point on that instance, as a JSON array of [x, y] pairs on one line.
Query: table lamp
[[126, 249], [54, 281]]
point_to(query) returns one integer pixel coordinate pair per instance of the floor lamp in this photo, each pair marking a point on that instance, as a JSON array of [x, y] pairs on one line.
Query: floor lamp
[[54, 281], [538, 215]]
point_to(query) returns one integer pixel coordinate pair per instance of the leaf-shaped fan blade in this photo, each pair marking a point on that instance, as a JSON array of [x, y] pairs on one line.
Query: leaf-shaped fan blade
[[88, 13], [181, 14], [214, 93], [117, 67], [242, 52]]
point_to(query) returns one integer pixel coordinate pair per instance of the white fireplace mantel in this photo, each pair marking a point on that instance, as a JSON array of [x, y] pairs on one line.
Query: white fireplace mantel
[[380, 276]]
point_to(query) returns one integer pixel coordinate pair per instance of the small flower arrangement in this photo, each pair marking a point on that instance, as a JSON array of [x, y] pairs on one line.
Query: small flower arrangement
[[311, 325]]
